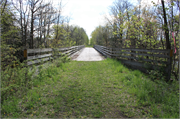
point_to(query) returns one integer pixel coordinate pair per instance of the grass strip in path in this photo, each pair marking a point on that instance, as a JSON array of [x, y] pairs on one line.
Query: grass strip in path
[[104, 89]]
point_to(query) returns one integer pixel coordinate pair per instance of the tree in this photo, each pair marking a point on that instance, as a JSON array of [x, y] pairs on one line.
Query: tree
[[68, 36], [168, 45], [10, 39], [3, 3], [35, 6]]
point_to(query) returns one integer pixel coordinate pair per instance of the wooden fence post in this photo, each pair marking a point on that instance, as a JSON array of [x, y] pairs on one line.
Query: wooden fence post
[[112, 53], [25, 54], [170, 65], [26, 65]]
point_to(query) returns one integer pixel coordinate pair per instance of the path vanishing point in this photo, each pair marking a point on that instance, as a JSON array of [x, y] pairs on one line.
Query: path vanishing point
[[88, 54]]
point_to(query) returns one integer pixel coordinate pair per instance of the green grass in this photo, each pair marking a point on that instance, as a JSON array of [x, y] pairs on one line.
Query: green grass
[[104, 89], [89, 45]]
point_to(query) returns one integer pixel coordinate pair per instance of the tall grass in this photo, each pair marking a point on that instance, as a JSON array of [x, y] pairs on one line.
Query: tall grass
[[161, 96], [16, 81]]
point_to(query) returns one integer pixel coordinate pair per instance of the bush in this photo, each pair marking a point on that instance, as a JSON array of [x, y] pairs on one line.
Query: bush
[[157, 75], [20, 78], [15, 79]]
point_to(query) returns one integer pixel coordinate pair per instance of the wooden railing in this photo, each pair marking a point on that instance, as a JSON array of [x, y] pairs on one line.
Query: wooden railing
[[36, 56], [142, 59]]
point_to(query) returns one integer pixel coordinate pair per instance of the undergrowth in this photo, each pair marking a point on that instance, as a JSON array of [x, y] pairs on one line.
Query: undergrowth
[[152, 91], [16, 81]]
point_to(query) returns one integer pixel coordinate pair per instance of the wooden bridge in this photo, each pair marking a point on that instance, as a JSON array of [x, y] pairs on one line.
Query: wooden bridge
[[90, 87], [142, 59], [89, 54]]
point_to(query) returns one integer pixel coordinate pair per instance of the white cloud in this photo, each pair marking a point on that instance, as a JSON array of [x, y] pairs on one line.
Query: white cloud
[[85, 13]]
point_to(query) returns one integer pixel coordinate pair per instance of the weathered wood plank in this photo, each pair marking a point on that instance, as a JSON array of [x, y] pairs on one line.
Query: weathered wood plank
[[144, 50], [151, 55], [67, 52], [63, 49], [147, 60], [97, 48], [106, 52], [139, 64], [109, 51], [39, 50], [137, 49], [38, 61], [38, 56]]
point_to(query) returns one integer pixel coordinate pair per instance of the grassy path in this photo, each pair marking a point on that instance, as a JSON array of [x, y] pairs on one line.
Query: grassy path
[[87, 89]]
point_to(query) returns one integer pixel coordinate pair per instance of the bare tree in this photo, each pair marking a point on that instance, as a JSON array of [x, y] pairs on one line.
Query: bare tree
[[49, 18], [23, 19], [3, 4], [168, 45], [35, 6], [58, 18], [119, 11]]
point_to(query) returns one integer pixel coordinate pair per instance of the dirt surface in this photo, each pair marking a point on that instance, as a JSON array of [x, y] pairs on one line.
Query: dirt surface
[[88, 54]]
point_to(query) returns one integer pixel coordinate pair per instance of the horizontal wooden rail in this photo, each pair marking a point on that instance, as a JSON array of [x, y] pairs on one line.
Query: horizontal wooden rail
[[142, 59], [36, 56]]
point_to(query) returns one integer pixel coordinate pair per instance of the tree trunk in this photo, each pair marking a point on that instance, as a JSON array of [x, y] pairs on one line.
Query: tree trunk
[[168, 45], [32, 28]]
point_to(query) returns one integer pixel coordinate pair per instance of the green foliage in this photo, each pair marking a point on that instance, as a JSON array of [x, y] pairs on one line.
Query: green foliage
[[66, 36], [100, 36], [10, 41], [157, 75], [8, 58], [18, 79], [14, 80]]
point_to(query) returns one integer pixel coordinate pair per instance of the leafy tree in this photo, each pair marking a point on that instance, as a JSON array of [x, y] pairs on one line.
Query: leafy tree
[[69, 36], [10, 39]]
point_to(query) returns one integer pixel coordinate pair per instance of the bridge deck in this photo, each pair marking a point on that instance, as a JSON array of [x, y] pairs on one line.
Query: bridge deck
[[89, 54]]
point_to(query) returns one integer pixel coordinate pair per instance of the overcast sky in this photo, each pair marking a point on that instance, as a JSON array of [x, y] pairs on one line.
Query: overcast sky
[[87, 14]]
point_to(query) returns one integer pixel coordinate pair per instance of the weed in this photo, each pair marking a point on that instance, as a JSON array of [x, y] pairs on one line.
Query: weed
[[157, 75]]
